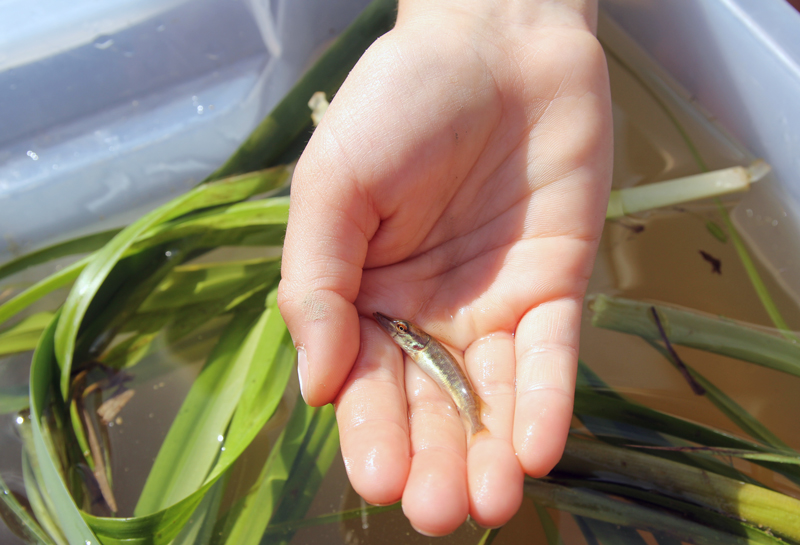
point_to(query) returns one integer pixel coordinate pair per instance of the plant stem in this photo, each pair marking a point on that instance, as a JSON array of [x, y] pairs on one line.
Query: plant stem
[[294, 525], [693, 329], [592, 505], [735, 412], [690, 188], [748, 502], [752, 274]]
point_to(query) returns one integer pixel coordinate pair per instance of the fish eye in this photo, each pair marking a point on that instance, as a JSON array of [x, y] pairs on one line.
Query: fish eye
[[402, 327]]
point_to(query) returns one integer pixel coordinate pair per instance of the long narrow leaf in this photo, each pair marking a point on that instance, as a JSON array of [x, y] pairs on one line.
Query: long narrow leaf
[[615, 533], [489, 536], [697, 330], [247, 520], [13, 399], [592, 505], [33, 493], [265, 382], [550, 529], [620, 410], [18, 519], [192, 284], [161, 527], [200, 528], [195, 437], [264, 221], [624, 433], [43, 371], [686, 510], [292, 526], [290, 119], [735, 412], [48, 285], [80, 245], [586, 530], [309, 469], [103, 261], [23, 336], [756, 505]]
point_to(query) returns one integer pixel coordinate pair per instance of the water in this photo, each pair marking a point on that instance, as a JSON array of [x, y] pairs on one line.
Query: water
[[653, 257]]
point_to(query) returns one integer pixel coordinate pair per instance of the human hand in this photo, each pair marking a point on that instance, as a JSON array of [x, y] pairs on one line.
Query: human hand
[[458, 180]]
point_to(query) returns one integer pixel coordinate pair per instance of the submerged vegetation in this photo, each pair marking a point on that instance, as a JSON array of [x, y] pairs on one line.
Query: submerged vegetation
[[627, 468]]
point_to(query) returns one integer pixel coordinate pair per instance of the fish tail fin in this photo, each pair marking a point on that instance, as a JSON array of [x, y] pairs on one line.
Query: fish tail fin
[[475, 419]]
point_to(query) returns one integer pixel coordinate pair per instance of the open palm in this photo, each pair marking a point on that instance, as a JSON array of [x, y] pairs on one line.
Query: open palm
[[459, 180]]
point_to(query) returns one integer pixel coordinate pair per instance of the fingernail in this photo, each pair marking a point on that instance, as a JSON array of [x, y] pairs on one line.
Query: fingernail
[[302, 370]]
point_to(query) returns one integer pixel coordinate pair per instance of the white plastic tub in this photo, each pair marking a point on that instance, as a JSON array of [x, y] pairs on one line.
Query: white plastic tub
[[107, 108], [739, 60]]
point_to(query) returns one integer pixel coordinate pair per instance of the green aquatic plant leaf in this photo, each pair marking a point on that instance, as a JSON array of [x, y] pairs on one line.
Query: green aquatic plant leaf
[[175, 325], [47, 285], [489, 536], [620, 411], [269, 345], [548, 525], [290, 119], [189, 297], [597, 506], [200, 528], [193, 443], [687, 510], [264, 384], [733, 452], [103, 261], [40, 502], [319, 448], [14, 398], [79, 245], [735, 412], [753, 504], [24, 335], [586, 530], [43, 378], [161, 527], [18, 520], [594, 396], [665, 539], [249, 517], [608, 532], [200, 283], [752, 273], [257, 223], [250, 223], [292, 526], [716, 231], [697, 330]]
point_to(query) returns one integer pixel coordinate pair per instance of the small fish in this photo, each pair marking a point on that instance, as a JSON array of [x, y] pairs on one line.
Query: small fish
[[438, 363]]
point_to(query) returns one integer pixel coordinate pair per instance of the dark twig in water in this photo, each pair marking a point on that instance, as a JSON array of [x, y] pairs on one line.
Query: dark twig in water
[[635, 228], [716, 264], [696, 387], [111, 407], [97, 455]]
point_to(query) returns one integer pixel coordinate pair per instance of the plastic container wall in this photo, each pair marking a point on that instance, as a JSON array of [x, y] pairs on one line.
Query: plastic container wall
[[740, 61], [107, 109]]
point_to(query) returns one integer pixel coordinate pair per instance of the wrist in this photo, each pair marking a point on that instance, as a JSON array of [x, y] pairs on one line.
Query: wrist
[[575, 14]]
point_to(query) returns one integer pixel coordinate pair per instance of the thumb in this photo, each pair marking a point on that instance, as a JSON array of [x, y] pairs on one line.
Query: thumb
[[330, 224]]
